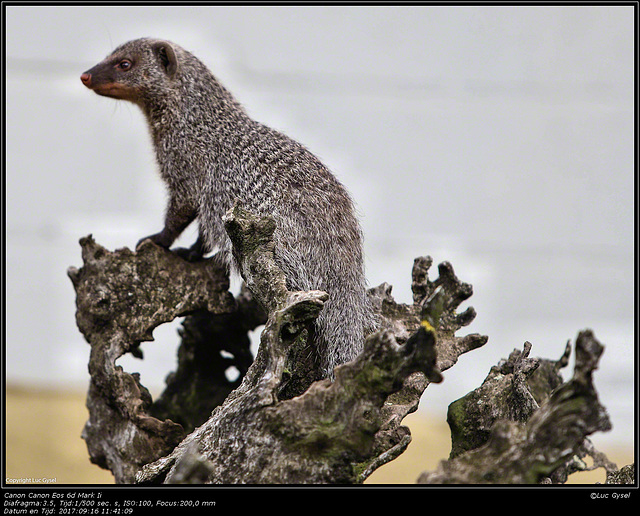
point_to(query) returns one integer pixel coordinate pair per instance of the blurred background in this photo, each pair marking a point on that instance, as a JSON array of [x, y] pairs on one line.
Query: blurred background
[[499, 138]]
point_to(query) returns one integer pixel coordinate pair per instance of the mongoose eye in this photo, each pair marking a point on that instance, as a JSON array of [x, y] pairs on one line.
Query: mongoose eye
[[125, 64]]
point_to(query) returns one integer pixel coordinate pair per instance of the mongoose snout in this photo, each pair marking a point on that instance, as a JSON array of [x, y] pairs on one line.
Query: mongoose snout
[[105, 80], [212, 155]]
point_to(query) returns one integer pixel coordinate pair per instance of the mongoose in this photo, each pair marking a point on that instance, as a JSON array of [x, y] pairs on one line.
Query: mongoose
[[211, 154]]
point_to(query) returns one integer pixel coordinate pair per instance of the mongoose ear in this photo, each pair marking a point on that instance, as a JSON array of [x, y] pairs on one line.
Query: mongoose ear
[[167, 56]]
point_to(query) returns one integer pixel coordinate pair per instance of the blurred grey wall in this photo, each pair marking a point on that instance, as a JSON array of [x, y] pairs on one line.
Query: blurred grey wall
[[500, 139]]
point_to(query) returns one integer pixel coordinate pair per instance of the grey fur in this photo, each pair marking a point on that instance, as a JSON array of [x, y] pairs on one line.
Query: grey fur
[[212, 155]]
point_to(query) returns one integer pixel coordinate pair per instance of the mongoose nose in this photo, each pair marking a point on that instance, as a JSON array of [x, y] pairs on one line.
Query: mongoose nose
[[86, 79]]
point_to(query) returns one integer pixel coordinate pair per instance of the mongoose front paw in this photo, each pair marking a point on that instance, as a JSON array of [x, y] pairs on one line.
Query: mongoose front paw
[[157, 239]]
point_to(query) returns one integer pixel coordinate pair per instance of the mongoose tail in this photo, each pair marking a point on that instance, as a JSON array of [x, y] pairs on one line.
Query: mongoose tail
[[212, 155]]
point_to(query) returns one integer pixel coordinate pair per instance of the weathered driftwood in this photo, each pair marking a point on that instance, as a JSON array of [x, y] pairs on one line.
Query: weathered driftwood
[[524, 425], [121, 297], [277, 423]]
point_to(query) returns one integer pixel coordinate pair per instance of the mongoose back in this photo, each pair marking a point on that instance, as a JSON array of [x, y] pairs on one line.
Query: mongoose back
[[211, 155]]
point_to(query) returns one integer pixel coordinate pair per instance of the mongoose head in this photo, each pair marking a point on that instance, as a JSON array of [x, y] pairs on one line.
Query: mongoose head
[[134, 70]]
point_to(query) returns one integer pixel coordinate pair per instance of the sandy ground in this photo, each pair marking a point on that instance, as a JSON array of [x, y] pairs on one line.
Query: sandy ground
[[43, 442]]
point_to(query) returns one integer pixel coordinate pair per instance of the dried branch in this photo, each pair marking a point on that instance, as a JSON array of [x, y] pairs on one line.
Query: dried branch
[[121, 297], [502, 436]]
